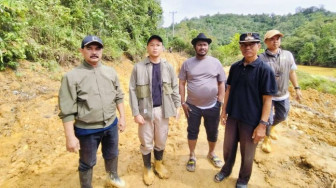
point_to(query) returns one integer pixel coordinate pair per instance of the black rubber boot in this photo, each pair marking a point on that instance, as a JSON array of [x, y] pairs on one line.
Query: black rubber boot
[[85, 178], [158, 155], [111, 167], [148, 174], [147, 160]]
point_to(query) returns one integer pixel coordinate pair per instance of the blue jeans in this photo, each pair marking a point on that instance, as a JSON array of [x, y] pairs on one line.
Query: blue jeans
[[279, 114], [90, 143], [211, 122]]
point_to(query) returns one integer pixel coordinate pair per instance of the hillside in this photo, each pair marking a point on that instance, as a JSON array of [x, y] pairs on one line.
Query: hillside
[[33, 150], [308, 34]]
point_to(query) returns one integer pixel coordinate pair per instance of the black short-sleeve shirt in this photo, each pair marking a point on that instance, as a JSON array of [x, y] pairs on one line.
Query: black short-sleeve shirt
[[248, 85]]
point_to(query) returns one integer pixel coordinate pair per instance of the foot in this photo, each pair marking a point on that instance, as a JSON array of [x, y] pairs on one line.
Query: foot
[[114, 181], [148, 176], [191, 165], [266, 145], [161, 170], [214, 160], [239, 185], [273, 133], [220, 176]]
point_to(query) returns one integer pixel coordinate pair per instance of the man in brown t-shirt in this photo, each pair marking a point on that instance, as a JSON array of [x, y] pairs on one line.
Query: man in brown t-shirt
[[205, 80]]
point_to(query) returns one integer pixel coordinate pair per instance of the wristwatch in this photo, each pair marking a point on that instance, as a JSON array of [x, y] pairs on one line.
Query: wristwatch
[[264, 122], [297, 87]]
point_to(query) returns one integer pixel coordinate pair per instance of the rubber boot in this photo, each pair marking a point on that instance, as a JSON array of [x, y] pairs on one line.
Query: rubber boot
[[85, 178], [266, 145], [148, 174], [111, 167], [273, 133], [159, 168]]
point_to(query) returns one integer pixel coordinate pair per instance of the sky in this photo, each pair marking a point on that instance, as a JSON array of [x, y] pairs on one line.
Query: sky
[[195, 8]]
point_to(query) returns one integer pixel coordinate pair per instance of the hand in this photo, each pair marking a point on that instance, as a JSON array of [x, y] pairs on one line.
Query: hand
[[186, 109], [298, 96], [223, 118], [139, 119], [72, 144], [259, 133], [178, 114], [121, 124]]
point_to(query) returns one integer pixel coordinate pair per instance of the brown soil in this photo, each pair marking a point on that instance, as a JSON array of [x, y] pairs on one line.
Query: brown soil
[[33, 150]]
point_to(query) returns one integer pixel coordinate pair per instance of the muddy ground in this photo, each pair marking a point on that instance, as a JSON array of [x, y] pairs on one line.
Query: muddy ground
[[33, 150]]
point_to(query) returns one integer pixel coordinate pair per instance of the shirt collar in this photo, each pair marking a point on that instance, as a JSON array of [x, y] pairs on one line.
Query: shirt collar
[[147, 61], [253, 64], [88, 66], [269, 53]]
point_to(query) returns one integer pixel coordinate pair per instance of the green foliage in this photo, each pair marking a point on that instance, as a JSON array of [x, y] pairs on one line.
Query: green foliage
[[309, 34], [52, 30], [319, 83], [307, 53], [12, 23], [229, 53], [179, 44]]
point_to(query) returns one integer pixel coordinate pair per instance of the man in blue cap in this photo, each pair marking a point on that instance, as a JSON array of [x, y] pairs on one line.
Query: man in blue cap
[[246, 108], [89, 96]]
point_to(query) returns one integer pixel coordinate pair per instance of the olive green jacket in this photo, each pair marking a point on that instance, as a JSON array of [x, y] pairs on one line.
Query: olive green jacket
[[90, 96], [140, 89]]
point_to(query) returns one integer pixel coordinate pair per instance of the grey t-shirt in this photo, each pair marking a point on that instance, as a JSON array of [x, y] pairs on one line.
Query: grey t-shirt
[[281, 63], [202, 78]]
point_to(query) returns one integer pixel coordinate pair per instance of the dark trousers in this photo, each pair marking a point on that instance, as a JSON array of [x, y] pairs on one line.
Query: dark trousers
[[211, 122], [279, 113], [237, 131], [90, 143]]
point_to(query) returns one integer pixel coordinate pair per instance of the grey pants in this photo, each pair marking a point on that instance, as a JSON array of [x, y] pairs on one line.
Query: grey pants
[[278, 114]]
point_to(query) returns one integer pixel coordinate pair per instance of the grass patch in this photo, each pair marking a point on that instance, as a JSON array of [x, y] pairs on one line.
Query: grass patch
[[317, 82], [322, 71]]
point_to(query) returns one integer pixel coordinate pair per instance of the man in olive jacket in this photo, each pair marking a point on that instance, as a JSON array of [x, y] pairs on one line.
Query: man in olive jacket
[[88, 99], [154, 97]]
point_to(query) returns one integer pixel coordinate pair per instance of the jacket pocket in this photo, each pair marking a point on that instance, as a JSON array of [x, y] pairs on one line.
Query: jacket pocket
[[142, 91], [167, 89]]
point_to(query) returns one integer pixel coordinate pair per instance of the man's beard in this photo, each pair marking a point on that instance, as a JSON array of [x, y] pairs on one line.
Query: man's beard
[[199, 54]]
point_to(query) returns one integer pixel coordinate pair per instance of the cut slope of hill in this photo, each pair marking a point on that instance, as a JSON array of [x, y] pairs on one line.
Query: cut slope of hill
[[33, 145]]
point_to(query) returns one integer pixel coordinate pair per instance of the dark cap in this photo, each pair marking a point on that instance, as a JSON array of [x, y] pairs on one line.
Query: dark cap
[[201, 37], [91, 39], [154, 37], [249, 37]]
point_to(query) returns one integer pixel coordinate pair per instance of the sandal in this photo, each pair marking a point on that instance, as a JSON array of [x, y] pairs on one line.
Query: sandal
[[220, 176], [191, 165], [215, 161]]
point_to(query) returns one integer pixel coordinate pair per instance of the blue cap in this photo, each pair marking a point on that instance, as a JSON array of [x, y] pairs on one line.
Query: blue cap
[[154, 37], [249, 37], [90, 39]]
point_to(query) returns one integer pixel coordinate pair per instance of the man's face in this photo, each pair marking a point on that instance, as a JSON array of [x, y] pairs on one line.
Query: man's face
[[273, 43], [92, 53], [249, 49], [154, 48], [201, 48]]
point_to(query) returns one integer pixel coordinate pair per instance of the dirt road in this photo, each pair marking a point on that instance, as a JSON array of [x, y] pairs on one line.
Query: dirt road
[[33, 151]]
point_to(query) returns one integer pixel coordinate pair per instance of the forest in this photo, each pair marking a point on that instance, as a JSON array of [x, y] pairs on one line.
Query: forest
[[309, 34], [49, 31]]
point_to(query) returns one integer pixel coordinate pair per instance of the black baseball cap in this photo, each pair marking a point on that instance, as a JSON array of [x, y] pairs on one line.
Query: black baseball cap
[[91, 39], [249, 37], [154, 37]]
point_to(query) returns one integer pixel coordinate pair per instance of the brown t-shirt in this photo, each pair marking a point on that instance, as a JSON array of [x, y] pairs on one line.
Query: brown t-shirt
[[202, 78]]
